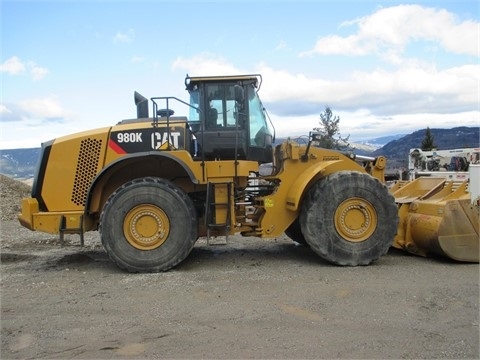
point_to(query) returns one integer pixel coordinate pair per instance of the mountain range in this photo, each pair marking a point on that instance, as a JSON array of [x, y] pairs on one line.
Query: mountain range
[[21, 163], [455, 138]]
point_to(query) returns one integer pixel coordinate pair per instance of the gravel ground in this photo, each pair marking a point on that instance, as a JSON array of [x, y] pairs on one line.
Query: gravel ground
[[250, 298]]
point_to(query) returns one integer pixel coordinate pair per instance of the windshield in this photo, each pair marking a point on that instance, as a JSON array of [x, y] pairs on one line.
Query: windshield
[[259, 127]]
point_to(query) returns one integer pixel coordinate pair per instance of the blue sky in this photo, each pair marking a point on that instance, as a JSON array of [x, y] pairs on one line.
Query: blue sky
[[384, 67]]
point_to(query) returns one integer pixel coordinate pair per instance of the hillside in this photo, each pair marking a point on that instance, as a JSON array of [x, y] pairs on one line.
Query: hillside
[[458, 137], [19, 163]]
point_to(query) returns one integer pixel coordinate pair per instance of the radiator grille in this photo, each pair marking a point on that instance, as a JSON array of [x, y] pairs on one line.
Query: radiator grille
[[87, 164]]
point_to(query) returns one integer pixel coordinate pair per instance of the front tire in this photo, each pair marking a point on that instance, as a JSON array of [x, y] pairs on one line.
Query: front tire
[[349, 218], [148, 225]]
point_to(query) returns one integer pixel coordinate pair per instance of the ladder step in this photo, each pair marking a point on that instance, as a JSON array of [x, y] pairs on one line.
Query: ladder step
[[218, 225], [62, 229], [212, 206], [218, 240]]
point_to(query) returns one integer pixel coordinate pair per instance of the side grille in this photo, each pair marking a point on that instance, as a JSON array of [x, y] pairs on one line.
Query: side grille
[[87, 164]]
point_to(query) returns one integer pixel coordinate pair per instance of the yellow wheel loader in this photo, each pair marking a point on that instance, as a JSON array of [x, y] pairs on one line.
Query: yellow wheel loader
[[153, 185]]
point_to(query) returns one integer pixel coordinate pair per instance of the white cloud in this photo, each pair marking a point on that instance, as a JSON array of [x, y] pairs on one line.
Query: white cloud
[[390, 30], [4, 109], [13, 66], [369, 103], [205, 64], [124, 37], [37, 72], [402, 91], [414, 87], [46, 108], [352, 45], [29, 122]]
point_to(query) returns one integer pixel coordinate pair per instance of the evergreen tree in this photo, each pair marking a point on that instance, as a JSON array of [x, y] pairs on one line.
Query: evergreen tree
[[428, 143], [329, 128]]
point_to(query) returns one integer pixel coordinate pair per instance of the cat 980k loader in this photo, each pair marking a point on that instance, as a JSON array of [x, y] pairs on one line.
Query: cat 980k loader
[[154, 184]]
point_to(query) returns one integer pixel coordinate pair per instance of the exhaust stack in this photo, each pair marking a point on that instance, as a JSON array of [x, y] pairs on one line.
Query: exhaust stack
[[142, 105]]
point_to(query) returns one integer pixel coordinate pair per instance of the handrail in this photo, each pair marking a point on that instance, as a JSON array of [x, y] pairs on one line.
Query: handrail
[[156, 117]]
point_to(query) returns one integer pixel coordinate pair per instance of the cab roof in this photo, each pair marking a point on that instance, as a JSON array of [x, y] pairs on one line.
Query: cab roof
[[190, 81]]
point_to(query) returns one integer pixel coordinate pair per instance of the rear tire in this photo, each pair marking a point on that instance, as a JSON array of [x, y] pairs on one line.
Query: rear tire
[[349, 218], [148, 225]]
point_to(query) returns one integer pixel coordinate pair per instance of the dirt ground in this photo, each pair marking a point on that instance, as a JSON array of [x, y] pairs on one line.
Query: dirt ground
[[250, 298]]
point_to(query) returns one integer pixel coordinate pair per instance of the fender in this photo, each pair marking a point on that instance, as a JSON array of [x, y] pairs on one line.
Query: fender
[[113, 164], [318, 170]]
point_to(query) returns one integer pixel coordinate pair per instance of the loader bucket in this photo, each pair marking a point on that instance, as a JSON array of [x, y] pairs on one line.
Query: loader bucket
[[437, 217]]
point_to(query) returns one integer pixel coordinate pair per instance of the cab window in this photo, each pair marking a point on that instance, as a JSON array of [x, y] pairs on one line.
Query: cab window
[[220, 110]]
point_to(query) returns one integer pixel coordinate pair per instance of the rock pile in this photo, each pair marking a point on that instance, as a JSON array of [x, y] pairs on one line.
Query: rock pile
[[11, 194]]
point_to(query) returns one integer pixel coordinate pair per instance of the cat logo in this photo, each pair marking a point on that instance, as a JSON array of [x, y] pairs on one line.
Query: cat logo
[[161, 141]]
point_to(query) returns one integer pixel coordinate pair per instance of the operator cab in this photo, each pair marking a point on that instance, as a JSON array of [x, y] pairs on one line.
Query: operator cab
[[228, 118]]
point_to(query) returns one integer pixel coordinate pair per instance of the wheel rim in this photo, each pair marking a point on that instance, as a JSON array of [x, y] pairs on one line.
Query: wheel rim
[[146, 227], [355, 219]]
